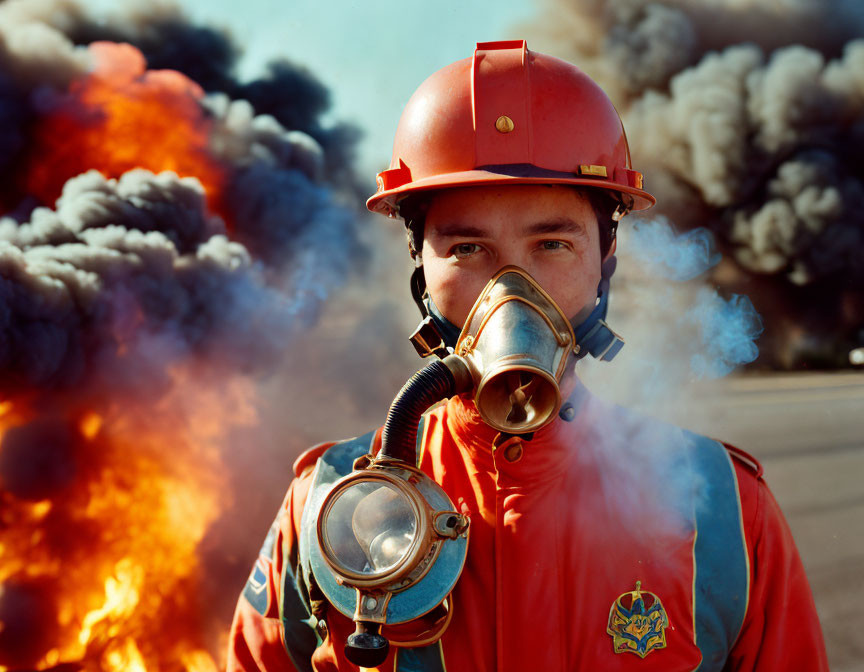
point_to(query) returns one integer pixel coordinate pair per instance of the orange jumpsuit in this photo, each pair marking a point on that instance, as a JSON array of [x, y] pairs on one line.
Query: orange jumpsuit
[[590, 507]]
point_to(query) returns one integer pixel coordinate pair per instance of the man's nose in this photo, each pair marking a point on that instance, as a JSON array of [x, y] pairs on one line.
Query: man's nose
[[513, 255]]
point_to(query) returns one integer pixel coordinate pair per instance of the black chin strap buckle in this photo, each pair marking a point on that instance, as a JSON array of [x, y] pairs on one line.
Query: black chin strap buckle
[[600, 342], [427, 340]]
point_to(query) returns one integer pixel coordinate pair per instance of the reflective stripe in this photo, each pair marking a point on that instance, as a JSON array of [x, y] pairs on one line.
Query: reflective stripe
[[720, 562], [421, 435], [424, 659]]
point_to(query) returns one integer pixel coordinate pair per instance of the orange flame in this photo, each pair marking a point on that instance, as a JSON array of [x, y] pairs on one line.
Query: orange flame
[[122, 543], [118, 547], [122, 116], [90, 425]]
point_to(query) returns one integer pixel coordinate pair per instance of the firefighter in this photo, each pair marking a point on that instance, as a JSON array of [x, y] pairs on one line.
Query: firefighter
[[522, 523]]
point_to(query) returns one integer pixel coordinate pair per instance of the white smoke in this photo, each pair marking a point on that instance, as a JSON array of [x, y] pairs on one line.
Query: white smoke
[[33, 46]]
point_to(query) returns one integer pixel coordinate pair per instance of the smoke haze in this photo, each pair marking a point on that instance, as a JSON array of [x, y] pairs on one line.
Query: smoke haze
[[152, 243]]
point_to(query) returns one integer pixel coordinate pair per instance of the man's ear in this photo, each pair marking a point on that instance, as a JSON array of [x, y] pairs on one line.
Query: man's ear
[[612, 248]]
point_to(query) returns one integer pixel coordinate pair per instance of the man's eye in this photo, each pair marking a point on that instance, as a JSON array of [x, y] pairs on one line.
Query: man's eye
[[552, 244], [463, 250]]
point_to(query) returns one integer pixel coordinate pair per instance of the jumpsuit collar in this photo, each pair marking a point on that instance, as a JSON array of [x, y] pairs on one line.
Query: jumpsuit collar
[[544, 458]]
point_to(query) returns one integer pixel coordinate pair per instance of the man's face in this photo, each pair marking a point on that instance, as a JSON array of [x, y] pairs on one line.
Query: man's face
[[471, 232]]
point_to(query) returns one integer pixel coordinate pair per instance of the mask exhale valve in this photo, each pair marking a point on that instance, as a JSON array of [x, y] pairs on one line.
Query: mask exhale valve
[[516, 343]]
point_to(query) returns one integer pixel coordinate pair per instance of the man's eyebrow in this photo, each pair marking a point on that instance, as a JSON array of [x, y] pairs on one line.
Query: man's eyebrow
[[557, 225], [459, 230]]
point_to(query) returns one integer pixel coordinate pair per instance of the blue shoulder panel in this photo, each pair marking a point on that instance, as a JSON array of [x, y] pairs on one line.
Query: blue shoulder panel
[[721, 565]]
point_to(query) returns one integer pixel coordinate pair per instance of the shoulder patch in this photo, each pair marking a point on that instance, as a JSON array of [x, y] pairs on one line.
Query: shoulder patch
[[745, 458], [258, 590]]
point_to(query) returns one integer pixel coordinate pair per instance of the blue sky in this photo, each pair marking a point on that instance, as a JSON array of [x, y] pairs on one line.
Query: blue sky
[[371, 54]]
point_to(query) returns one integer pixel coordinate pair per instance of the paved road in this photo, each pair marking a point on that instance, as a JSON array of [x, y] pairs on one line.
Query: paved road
[[808, 432]]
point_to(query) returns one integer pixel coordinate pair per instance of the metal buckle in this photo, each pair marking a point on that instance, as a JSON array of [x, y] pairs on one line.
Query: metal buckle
[[427, 340], [614, 347]]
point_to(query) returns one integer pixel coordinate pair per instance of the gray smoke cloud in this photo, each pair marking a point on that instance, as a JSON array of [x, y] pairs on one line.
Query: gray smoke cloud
[[122, 278], [761, 141], [630, 46], [287, 91], [678, 331], [746, 118], [33, 46]]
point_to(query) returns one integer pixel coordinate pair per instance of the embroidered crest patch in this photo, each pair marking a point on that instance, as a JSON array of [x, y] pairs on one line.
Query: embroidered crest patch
[[637, 622], [257, 586]]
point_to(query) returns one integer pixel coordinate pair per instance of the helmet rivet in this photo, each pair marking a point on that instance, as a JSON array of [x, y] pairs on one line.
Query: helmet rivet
[[504, 124]]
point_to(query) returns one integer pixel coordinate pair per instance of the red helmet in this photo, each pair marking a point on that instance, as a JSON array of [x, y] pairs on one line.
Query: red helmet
[[509, 116]]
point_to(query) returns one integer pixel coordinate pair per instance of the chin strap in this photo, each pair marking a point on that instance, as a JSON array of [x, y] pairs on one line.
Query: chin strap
[[434, 335], [593, 335], [418, 289], [437, 335]]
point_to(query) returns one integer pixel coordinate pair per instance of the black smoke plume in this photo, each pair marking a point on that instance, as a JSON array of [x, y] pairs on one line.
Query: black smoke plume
[[287, 91]]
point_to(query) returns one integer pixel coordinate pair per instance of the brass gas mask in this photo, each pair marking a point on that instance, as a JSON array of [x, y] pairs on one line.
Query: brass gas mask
[[516, 343]]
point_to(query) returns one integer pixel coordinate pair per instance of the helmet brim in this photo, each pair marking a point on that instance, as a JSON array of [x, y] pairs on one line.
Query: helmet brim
[[386, 202]]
